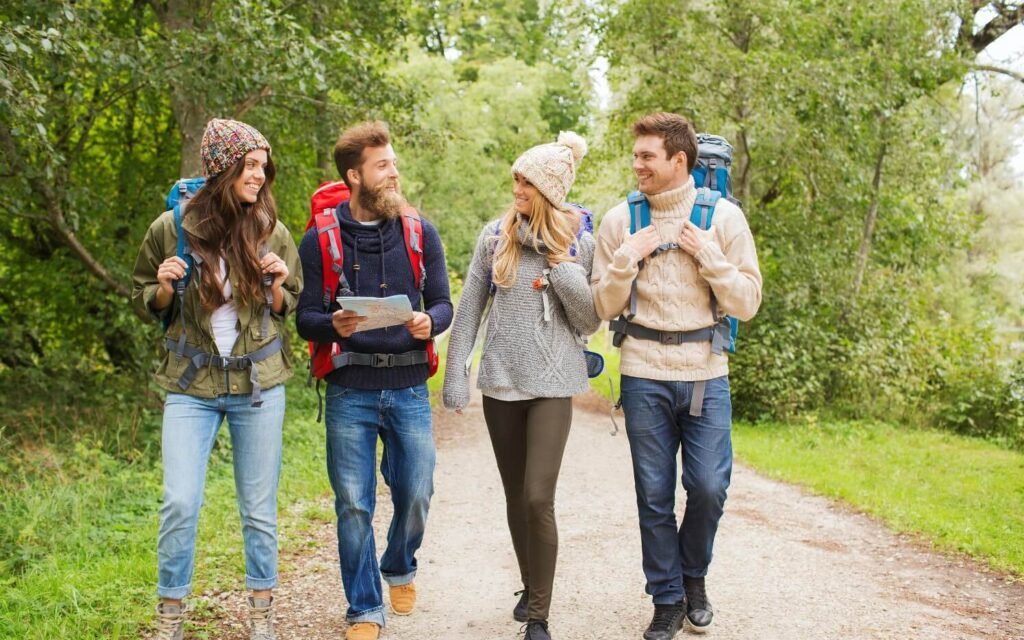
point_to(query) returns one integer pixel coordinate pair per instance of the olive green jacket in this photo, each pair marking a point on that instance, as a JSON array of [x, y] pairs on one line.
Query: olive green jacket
[[160, 243]]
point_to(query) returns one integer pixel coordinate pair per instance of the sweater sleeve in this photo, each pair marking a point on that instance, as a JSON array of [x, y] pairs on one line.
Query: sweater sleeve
[[311, 319], [571, 283], [615, 266], [475, 294], [732, 269], [437, 297]]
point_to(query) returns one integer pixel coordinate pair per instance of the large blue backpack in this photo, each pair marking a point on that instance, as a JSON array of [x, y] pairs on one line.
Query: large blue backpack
[[712, 180], [182, 191]]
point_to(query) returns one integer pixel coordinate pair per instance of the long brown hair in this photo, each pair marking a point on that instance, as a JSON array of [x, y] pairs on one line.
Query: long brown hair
[[554, 226], [233, 230]]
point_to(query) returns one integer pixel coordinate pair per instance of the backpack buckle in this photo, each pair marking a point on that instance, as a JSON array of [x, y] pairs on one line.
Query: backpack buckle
[[381, 360], [670, 337]]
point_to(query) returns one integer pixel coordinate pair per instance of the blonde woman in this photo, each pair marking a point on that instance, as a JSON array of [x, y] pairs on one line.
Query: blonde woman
[[535, 261]]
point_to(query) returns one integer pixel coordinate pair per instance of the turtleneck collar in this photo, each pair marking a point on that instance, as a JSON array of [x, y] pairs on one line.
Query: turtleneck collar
[[674, 201], [524, 236]]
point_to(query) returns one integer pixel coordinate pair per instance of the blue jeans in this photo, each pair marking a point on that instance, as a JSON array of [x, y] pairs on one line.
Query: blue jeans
[[189, 430], [355, 418], [658, 423]]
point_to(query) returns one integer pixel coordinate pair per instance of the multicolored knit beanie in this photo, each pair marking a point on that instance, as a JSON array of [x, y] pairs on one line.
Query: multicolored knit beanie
[[551, 168], [225, 142]]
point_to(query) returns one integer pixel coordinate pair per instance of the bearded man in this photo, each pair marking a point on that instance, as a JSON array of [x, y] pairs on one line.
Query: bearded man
[[382, 391]]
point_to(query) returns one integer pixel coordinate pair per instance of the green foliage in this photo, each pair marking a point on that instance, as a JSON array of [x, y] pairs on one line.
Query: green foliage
[[963, 494]]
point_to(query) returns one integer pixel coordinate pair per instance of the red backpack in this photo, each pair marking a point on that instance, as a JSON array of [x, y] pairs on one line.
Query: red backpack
[[322, 216]]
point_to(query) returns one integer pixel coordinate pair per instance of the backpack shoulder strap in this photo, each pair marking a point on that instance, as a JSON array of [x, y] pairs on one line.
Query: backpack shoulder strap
[[704, 207], [412, 231], [332, 254], [490, 272], [639, 211]]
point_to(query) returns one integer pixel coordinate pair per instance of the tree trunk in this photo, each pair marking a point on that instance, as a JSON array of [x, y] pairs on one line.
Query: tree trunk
[[191, 118], [870, 219], [325, 140], [190, 113]]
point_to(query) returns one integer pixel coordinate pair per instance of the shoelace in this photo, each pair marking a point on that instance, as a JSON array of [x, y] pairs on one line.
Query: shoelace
[[262, 623], [167, 625], [663, 615], [697, 596], [525, 629]]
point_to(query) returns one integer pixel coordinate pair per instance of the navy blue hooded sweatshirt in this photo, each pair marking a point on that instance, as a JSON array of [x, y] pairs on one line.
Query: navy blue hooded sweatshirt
[[380, 253]]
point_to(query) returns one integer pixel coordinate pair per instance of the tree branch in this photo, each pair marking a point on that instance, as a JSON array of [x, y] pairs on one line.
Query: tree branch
[[1008, 16], [56, 219], [251, 101], [1019, 77]]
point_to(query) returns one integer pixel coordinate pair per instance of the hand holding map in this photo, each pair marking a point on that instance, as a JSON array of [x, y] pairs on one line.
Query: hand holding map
[[379, 312]]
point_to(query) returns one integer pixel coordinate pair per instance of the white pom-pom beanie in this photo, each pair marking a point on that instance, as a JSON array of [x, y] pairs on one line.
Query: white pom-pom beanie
[[551, 168]]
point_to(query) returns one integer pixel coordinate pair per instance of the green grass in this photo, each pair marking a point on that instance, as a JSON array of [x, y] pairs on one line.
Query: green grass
[[78, 528], [963, 494]]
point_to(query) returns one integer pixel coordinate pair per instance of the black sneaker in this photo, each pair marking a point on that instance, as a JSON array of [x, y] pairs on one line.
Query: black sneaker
[[522, 607], [536, 630], [698, 610], [667, 621]]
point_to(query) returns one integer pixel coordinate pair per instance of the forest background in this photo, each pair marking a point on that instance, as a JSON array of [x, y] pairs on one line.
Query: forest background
[[876, 159]]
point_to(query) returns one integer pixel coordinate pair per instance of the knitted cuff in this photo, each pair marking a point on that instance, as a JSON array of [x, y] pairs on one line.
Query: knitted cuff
[[624, 257], [455, 395], [565, 272]]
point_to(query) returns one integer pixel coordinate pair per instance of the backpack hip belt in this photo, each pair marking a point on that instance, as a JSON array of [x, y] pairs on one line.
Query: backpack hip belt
[[199, 359], [380, 360], [717, 334]]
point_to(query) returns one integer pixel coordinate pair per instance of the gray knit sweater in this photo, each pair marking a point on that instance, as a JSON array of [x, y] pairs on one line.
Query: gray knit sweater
[[524, 355]]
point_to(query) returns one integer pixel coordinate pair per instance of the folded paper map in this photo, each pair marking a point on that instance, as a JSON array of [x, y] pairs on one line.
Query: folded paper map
[[379, 312]]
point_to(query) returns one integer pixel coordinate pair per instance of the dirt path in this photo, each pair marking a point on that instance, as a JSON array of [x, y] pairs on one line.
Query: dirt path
[[787, 565]]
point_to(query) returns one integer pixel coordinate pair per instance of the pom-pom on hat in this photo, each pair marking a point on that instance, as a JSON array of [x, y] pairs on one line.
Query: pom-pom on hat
[[225, 142], [551, 168]]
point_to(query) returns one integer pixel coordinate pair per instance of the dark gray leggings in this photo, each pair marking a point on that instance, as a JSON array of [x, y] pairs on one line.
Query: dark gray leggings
[[529, 438]]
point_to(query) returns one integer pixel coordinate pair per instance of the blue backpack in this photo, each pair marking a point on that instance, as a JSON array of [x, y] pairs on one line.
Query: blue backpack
[[712, 180], [181, 192]]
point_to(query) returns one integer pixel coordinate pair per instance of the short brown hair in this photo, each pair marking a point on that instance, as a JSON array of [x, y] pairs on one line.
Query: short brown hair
[[348, 151], [675, 130]]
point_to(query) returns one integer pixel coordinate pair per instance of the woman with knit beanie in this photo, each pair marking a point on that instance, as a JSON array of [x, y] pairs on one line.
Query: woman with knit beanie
[[535, 261], [225, 357]]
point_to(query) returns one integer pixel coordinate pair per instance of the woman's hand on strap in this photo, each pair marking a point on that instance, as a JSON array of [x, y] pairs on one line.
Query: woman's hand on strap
[[272, 263]]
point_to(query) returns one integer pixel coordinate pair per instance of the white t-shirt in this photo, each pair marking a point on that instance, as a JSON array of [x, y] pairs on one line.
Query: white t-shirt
[[224, 319]]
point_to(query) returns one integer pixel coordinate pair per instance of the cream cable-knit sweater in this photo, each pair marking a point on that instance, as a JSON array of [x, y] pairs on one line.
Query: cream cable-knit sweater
[[673, 289]]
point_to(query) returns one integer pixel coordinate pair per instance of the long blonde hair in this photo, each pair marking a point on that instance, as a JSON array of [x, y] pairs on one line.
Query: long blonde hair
[[554, 226]]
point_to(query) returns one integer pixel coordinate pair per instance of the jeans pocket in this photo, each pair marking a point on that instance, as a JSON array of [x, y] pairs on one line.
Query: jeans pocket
[[335, 391], [420, 392]]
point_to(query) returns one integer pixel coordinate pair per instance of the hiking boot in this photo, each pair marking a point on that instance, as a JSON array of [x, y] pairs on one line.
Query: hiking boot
[[536, 630], [363, 631], [667, 621], [170, 622], [261, 619], [519, 613], [403, 598], [698, 609]]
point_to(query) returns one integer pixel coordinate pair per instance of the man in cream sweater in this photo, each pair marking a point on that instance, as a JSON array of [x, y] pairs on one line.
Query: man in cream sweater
[[675, 382]]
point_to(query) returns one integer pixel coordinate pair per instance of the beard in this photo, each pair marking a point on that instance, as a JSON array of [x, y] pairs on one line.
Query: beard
[[379, 200]]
